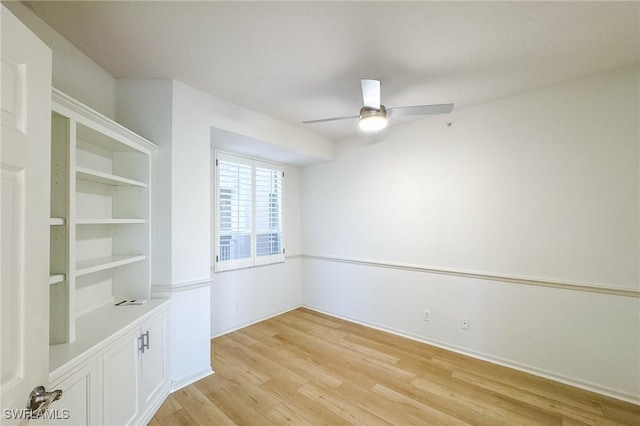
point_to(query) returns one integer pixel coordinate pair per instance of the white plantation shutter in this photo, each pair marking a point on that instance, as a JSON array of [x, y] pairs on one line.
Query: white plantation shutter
[[235, 216], [249, 212], [268, 213]]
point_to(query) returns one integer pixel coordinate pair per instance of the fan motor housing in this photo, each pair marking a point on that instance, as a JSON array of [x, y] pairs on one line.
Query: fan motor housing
[[373, 119], [373, 112]]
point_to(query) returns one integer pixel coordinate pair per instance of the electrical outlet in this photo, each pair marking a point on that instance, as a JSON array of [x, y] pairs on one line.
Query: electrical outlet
[[236, 306], [427, 315], [464, 323]]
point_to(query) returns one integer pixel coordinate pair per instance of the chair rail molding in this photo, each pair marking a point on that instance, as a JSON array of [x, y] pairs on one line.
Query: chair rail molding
[[601, 289]]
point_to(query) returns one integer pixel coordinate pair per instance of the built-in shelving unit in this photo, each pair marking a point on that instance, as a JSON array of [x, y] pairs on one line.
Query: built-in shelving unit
[[100, 215]]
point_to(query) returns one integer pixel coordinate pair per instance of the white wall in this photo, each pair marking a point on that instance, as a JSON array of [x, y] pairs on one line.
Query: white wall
[[239, 298], [544, 185], [74, 73], [280, 136], [169, 113], [146, 107], [174, 115], [191, 191]]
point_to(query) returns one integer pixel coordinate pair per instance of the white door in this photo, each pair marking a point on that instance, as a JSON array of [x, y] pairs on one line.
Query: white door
[[25, 141]]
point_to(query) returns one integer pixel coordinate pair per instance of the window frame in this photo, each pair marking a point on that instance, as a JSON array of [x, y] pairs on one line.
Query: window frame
[[254, 260]]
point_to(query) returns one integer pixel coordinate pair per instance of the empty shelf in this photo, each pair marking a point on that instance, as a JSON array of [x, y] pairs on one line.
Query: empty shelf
[[101, 263], [106, 178], [108, 221]]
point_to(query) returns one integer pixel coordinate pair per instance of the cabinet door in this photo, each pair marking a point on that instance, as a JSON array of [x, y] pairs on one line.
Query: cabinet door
[[81, 397], [154, 364], [121, 380]]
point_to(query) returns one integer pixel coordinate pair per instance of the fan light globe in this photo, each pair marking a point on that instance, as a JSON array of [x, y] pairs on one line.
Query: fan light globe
[[372, 120]]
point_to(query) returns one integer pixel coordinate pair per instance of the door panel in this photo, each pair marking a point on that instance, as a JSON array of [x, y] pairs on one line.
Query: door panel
[[82, 397], [13, 215], [121, 380], [154, 373], [25, 142]]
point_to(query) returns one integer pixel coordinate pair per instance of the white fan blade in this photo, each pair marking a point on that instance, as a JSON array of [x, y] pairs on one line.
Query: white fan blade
[[371, 93], [419, 110], [322, 120]]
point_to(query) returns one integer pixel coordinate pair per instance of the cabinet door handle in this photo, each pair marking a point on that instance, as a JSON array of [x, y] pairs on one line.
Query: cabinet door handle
[[145, 341], [140, 344]]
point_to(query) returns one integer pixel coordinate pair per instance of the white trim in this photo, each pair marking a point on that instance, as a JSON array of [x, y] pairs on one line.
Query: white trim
[[69, 107], [190, 379], [247, 267], [539, 282], [286, 258], [154, 406], [160, 289], [592, 387]]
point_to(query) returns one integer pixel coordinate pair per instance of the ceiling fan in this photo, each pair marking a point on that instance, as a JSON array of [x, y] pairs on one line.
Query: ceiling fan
[[373, 115]]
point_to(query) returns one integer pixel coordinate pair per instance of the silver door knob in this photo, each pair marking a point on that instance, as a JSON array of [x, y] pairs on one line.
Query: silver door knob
[[40, 400]]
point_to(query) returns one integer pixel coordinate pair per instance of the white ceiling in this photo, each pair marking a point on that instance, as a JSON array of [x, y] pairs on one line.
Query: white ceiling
[[296, 61]]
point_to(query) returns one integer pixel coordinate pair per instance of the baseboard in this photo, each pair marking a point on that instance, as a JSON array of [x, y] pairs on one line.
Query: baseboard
[[154, 406], [190, 378], [253, 321], [592, 387]]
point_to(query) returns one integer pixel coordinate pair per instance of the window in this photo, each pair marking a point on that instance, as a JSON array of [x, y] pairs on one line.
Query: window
[[249, 205]]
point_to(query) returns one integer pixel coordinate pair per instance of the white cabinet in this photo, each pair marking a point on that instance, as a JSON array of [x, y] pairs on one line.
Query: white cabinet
[[120, 379], [135, 381]]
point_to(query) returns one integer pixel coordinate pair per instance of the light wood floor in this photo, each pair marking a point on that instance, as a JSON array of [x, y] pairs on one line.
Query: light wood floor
[[305, 368]]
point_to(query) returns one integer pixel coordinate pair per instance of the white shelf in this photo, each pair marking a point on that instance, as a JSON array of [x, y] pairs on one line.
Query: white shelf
[[56, 278], [101, 263], [56, 221], [106, 178], [95, 305], [109, 221]]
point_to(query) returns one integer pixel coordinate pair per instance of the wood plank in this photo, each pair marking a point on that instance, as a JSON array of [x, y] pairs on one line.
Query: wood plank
[[200, 407], [537, 385], [178, 418], [168, 407], [551, 405], [387, 409], [255, 361], [492, 407], [313, 411], [340, 406], [429, 414], [283, 415]]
